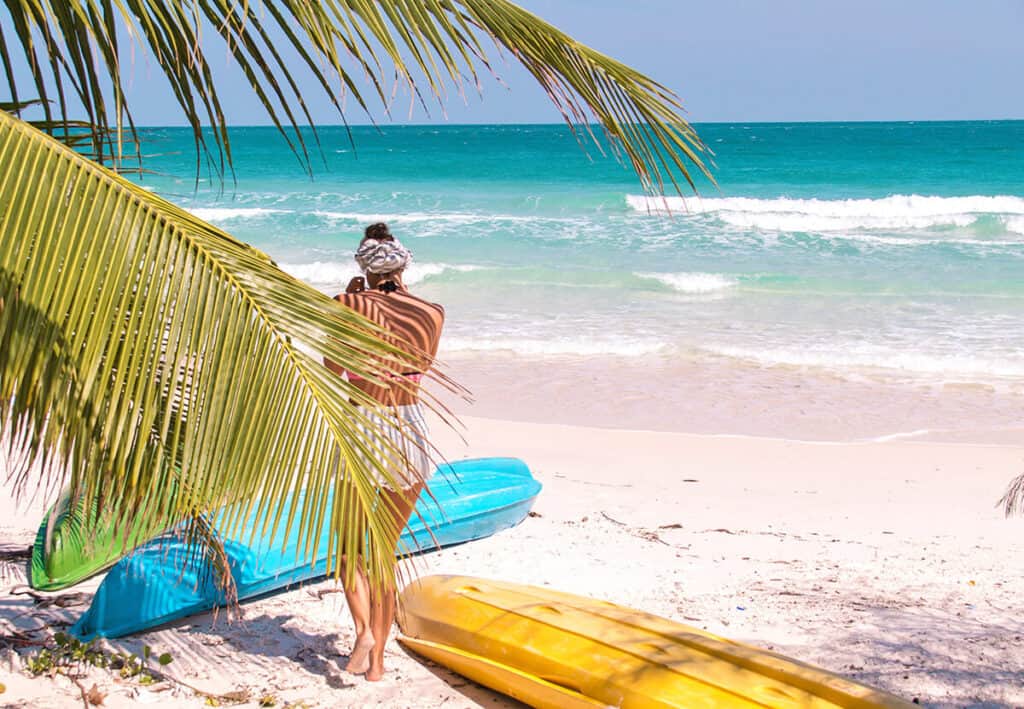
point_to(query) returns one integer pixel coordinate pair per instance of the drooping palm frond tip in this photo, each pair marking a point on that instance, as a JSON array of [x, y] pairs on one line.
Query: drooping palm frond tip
[[170, 367], [342, 45], [1012, 500]]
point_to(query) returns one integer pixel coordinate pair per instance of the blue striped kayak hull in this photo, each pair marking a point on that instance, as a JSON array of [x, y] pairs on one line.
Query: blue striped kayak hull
[[164, 580]]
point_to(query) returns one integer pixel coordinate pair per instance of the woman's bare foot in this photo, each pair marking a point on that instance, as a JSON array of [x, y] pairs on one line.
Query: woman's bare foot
[[359, 658], [375, 673]]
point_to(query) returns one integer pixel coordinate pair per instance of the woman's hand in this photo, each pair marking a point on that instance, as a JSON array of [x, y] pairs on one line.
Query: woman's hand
[[356, 285]]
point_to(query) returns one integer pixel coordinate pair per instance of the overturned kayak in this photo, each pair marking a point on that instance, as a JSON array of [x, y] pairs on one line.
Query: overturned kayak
[[165, 579], [76, 541], [552, 649]]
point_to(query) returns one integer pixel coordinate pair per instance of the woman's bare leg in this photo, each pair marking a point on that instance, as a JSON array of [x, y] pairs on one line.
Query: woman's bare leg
[[382, 602], [358, 596]]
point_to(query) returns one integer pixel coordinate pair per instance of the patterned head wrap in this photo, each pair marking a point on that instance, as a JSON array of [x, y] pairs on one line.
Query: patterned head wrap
[[376, 256]]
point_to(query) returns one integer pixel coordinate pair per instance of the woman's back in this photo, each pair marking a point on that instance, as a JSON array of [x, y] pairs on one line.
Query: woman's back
[[411, 324]]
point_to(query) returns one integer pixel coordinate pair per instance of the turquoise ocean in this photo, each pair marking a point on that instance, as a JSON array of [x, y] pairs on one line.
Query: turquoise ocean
[[892, 250]]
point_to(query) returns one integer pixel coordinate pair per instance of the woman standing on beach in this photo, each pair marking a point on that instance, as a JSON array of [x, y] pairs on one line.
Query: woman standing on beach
[[414, 326]]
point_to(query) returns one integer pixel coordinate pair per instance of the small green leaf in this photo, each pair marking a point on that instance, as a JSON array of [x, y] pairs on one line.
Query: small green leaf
[[165, 659]]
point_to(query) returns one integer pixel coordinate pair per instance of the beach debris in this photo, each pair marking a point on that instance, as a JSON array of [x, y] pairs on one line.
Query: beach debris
[[63, 600], [238, 696], [95, 695], [320, 593], [651, 536], [13, 562], [18, 638], [646, 534], [593, 483]]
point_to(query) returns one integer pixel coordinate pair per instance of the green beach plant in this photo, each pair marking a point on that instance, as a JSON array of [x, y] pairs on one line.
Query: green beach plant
[[169, 368], [65, 654]]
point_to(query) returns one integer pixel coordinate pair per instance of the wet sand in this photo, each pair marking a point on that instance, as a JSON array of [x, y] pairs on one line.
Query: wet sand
[[732, 397]]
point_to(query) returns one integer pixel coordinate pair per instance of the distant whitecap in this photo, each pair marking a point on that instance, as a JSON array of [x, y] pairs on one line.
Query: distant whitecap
[[823, 215], [586, 346], [220, 214], [334, 275], [692, 282]]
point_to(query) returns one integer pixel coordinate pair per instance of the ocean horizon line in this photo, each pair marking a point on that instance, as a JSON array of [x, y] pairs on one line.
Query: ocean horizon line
[[908, 121]]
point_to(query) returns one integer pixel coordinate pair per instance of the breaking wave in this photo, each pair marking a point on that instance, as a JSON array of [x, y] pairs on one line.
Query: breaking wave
[[897, 212]]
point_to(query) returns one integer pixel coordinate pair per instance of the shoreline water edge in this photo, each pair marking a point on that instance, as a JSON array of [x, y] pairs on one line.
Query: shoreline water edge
[[884, 258]]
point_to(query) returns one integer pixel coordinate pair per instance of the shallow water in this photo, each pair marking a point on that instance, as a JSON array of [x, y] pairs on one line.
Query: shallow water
[[891, 253]]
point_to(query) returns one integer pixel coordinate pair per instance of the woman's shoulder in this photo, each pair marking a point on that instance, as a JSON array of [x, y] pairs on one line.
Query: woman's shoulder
[[423, 302], [367, 297], [362, 302]]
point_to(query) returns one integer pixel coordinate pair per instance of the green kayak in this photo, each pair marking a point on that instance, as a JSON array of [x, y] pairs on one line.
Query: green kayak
[[74, 543]]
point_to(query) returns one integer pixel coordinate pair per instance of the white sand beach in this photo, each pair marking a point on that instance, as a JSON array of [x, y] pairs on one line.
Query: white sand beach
[[887, 562]]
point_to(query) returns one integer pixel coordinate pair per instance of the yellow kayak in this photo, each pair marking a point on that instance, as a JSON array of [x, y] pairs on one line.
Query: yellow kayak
[[552, 649]]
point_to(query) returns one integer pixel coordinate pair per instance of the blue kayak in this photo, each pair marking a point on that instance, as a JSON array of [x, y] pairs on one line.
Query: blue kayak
[[164, 580]]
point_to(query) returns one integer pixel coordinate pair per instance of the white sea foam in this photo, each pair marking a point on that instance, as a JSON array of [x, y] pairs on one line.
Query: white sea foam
[[334, 275], [918, 241], [796, 222], [1015, 224], [586, 346], [419, 272], [894, 212], [692, 282], [417, 217], [322, 274], [874, 357], [221, 214], [901, 435]]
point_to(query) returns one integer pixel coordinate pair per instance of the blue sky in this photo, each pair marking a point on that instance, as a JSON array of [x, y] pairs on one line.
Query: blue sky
[[740, 60]]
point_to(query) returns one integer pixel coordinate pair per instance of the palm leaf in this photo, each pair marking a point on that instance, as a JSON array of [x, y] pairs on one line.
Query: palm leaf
[[341, 45], [171, 368], [1012, 500]]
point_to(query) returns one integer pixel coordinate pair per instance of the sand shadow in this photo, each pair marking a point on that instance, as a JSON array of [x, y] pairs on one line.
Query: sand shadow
[[917, 652], [478, 693]]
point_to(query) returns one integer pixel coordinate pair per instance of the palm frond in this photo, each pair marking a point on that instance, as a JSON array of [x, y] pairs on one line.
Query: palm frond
[[341, 45], [170, 368], [1012, 500], [206, 552]]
